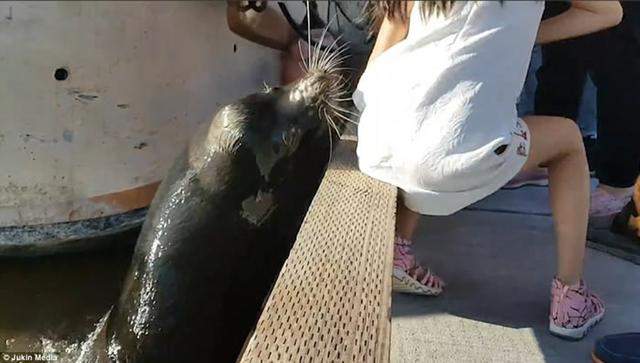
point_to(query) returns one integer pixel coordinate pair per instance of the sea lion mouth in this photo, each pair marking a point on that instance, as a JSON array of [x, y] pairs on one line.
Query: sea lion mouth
[[324, 86]]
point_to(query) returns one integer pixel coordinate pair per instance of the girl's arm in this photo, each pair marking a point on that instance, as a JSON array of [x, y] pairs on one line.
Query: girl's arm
[[584, 17], [268, 28], [391, 32]]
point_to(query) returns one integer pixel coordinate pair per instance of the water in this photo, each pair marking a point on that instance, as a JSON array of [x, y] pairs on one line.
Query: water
[[53, 303]]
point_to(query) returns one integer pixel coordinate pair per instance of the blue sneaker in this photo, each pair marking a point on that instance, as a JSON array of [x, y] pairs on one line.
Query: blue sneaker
[[617, 348]]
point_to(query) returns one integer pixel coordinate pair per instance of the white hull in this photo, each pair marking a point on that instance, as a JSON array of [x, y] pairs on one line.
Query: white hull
[[141, 77]]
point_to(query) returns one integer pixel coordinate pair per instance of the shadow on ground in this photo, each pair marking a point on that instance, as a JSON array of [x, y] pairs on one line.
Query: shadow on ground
[[498, 267]]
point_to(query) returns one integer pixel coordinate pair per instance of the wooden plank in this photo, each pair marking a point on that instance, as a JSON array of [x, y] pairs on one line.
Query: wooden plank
[[332, 299]]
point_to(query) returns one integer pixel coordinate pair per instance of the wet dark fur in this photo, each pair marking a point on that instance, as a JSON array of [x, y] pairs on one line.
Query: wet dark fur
[[212, 267]]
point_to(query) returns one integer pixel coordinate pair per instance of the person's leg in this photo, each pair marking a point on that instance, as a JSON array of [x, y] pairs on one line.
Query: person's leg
[[556, 143], [561, 80], [526, 101], [406, 221], [587, 112], [617, 77], [408, 275]]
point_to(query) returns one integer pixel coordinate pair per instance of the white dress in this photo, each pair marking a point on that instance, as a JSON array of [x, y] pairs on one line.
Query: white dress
[[438, 109]]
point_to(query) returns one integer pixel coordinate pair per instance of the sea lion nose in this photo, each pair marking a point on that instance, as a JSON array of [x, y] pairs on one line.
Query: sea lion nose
[[309, 89]]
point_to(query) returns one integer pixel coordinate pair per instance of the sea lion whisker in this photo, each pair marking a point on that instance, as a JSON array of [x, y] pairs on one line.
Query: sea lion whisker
[[331, 67], [344, 69], [304, 61], [330, 50], [334, 125], [309, 27], [335, 52], [337, 98], [330, 142], [334, 61], [267, 88], [341, 96], [345, 118], [330, 121], [326, 60], [336, 91], [340, 91], [318, 52], [341, 109], [324, 33], [334, 47], [303, 66], [326, 51], [339, 48], [339, 88], [324, 111], [345, 113], [350, 121], [313, 58], [338, 108]]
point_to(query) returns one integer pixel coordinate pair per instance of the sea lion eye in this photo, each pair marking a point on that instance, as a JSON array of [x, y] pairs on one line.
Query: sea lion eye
[[268, 89]]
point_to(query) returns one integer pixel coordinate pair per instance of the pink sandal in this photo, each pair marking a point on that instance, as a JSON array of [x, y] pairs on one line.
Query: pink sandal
[[408, 276], [574, 310]]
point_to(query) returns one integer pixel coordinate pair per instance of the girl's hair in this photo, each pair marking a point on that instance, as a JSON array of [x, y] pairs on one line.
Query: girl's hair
[[377, 10]]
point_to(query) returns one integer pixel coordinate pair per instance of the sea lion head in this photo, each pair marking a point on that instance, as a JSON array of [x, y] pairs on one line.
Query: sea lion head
[[272, 123], [313, 104]]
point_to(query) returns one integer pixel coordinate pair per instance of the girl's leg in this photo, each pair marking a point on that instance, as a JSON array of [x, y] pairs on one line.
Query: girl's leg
[[406, 221], [408, 275], [556, 143]]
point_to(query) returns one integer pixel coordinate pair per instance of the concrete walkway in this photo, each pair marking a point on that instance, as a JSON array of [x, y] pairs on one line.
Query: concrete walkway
[[498, 267]]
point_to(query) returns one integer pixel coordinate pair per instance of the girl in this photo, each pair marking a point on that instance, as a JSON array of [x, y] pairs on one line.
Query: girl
[[438, 120]]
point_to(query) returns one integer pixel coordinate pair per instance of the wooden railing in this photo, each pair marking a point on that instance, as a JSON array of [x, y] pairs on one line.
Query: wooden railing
[[332, 299]]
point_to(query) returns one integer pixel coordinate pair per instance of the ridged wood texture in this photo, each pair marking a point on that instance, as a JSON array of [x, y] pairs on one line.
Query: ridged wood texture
[[332, 299]]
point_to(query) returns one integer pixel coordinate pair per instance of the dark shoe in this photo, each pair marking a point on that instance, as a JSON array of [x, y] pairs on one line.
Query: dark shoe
[[627, 222], [617, 348]]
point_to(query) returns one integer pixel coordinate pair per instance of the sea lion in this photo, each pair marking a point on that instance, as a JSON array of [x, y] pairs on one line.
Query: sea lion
[[224, 220]]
